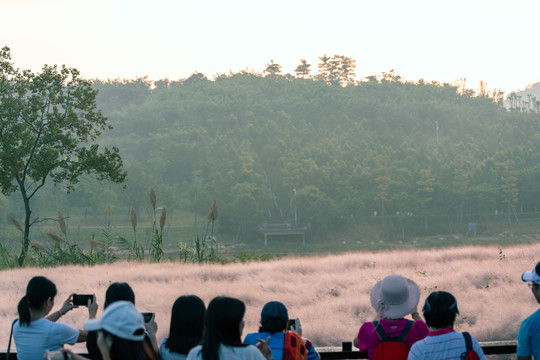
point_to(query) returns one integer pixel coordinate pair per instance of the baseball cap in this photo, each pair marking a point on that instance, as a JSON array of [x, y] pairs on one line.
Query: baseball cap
[[533, 275], [121, 319], [274, 309]]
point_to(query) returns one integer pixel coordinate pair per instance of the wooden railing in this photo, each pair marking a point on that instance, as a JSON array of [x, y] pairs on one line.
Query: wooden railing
[[489, 347], [336, 353]]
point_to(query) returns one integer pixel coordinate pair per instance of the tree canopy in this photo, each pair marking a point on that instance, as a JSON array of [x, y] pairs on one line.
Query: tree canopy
[[49, 123], [347, 148], [321, 148]]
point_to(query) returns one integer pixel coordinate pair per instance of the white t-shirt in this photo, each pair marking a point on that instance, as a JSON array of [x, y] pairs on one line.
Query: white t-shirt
[[32, 341], [448, 346], [226, 352], [166, 354]]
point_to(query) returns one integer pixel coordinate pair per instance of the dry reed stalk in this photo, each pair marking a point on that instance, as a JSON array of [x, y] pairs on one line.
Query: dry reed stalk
[[213, 213], [163, 218], [37, 246], [55, 237], [96, 244], [133, 219], [153, 198], [17, 224], [62, 223]]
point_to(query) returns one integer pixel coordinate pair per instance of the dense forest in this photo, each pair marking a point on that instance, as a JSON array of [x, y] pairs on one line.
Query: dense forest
[[324, 150]]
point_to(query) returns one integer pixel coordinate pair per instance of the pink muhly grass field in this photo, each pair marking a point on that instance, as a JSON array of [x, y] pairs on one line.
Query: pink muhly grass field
[[330, 294]]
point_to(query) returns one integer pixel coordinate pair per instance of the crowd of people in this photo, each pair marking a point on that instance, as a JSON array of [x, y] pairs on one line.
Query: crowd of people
[[198, 332]]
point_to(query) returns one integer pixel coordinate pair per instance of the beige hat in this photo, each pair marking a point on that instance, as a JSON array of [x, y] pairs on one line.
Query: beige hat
[[394, 297]]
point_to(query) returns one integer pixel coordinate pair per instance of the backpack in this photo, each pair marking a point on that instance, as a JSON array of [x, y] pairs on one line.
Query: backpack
[[469, 353], [294, 347], [392, 348]]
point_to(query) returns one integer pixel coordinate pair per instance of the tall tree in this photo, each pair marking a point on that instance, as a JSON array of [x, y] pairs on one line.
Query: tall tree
[[302, 71], [337, 70], [272, 68], [48, 123]]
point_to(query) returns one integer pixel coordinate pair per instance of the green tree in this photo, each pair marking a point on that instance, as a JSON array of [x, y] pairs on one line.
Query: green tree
[[272, 68], [302, 71], [48, 121], [337, 70]]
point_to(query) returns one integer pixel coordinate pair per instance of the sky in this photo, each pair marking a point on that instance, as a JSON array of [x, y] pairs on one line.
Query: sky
[[436, 40]]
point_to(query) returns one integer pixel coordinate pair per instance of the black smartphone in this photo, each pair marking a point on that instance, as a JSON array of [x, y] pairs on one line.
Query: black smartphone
[[147, 316], [291, 323], [82, 299]]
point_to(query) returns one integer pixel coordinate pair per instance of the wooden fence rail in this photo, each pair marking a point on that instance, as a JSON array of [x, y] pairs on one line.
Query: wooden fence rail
[[335, 353]]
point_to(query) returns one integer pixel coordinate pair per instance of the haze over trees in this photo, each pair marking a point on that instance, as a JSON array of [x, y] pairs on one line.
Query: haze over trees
[[321, 148]]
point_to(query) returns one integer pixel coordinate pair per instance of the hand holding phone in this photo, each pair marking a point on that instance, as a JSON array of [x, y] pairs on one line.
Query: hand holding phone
[[82, 299], [148, 316]]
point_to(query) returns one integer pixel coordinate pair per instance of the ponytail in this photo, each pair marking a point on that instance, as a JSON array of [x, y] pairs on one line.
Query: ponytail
[[24, 311], [39, 289]]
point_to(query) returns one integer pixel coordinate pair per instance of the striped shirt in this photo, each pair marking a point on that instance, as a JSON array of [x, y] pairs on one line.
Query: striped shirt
[[444, 344]]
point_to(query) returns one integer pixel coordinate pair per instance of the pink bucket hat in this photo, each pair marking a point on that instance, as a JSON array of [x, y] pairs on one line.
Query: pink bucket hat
[[394, 297]]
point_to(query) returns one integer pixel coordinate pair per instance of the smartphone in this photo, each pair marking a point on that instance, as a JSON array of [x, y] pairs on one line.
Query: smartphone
[[147, 316], [291, 324], [82, 299]]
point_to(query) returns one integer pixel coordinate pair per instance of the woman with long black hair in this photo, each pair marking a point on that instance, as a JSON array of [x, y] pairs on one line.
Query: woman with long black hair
[[186, 330], [222, 334], [36, 331]]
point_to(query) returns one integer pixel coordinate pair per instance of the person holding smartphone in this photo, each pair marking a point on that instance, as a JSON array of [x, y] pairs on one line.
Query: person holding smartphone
[[37, 330], [285, 334], [121, 291]]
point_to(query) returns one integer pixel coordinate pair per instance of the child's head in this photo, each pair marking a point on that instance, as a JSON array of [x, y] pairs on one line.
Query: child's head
[[440, 310]]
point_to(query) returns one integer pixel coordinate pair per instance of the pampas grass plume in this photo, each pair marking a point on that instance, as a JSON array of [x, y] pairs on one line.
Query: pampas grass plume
[[62, 223], [55, 237], [133, 219], [163, 218], [96, 244], [153, 198], [108, 210], [17, 224], [37, 246], [213, 213]]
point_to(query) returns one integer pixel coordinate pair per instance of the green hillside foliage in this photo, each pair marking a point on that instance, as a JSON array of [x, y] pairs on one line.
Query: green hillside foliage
[[283, 149]]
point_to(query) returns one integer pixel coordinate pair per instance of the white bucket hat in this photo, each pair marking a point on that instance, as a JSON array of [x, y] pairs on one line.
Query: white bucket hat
[[122, 319], [394, 297], [533, 275]]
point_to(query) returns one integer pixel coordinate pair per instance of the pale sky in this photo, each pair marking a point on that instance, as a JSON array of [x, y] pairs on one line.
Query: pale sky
[[491, 40]]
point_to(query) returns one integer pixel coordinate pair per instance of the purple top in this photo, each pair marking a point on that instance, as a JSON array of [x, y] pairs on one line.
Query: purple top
[[368, 337]]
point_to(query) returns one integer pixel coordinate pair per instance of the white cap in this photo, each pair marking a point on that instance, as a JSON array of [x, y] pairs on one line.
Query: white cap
[[121, 319], [533, 275]]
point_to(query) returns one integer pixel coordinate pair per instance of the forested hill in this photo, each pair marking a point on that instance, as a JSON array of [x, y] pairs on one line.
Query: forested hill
[[263, 146]]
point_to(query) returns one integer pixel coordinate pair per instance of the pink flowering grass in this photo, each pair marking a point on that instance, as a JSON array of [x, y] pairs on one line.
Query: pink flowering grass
[[330, 294]]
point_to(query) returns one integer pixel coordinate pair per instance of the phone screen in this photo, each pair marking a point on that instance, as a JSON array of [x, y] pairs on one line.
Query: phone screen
[[147, 316], [82, 299]]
